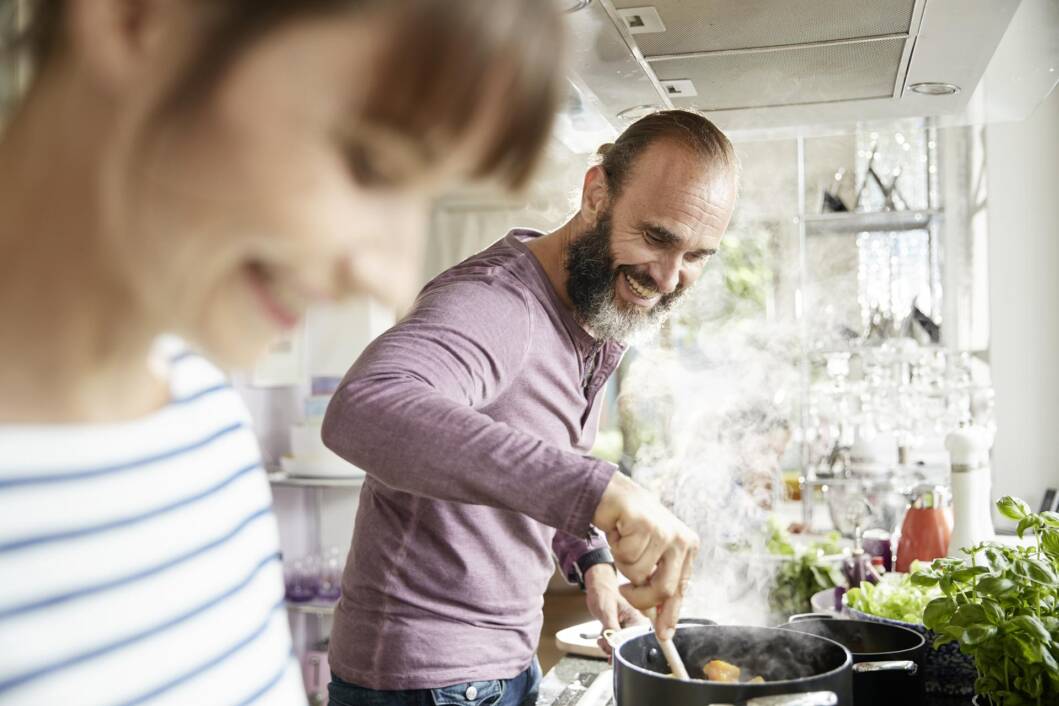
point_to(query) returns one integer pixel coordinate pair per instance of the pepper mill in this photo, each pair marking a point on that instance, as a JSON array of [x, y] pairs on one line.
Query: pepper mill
[[969, 458]]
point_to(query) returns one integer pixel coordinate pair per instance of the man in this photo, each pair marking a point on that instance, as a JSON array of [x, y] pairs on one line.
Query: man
[[472, 417]]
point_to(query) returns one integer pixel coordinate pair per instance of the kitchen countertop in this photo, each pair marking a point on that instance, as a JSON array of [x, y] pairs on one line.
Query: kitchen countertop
[[566, 682]]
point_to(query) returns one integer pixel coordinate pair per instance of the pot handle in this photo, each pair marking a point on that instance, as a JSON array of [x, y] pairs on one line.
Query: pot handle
[[808, 698], [799, 617], [896, 665]]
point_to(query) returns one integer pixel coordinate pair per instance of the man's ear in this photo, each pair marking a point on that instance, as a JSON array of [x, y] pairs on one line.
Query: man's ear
[[595, 194], [112, 40]]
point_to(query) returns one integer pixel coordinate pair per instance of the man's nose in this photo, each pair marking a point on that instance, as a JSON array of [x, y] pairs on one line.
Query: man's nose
[[668, 275]]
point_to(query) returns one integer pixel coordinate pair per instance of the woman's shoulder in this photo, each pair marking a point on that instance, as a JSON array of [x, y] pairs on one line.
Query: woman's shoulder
[[203, 409]]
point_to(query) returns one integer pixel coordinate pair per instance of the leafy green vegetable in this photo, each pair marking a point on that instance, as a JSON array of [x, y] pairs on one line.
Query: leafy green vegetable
[[902, 597], [1002, 605], [804, 574]]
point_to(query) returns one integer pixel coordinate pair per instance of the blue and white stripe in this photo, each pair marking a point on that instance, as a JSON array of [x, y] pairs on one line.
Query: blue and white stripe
[[138, 560]]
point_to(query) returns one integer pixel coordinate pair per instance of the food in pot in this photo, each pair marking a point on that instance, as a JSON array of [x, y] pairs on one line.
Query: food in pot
[[721, 671]]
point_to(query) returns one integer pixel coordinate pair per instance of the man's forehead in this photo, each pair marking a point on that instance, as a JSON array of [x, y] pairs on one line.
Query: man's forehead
[[691, 200]]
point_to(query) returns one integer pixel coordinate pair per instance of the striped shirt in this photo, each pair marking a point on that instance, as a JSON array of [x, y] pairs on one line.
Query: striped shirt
[[139, 560]]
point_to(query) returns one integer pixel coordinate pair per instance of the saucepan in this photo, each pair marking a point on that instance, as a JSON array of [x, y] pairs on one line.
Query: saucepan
[[887, 659], [799, 669]]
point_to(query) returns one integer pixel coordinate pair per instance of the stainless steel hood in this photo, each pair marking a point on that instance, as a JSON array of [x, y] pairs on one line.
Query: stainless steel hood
[[762, 65]]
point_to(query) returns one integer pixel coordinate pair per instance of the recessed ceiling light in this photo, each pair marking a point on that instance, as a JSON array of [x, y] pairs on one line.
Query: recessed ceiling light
[[569, 6], [636, 112], [935, 88]]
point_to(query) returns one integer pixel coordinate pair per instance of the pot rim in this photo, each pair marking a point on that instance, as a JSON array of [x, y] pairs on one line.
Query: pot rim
[[886, 626], [847, 664]]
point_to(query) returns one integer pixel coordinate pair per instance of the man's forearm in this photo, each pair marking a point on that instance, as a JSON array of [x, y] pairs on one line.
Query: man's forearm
[[414, 439]]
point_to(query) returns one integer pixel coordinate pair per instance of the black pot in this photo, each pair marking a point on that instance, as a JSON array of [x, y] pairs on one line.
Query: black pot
[[887, 659], [803, 669]]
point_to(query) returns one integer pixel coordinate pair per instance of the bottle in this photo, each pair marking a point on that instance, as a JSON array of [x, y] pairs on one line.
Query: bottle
[[969, 463], [858, 567], [926, 529]]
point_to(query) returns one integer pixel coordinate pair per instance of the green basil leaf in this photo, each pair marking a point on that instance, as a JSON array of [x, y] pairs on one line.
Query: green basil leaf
[[1031, 625], [995, 585], [924, 579], [977, 634], [993, 612], [953, 631], [1024, 524], [942, 640], [1012, 508], [1013, 698], [1020, 569], [1031, 651], [967, 573], [1050, 662], [1050, 518], [968, 615], [1041, 572], [997, 558], [938, 612], [1050, 543], [1013, 648]]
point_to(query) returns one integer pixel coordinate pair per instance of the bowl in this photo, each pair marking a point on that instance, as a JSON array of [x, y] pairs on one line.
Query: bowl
[[827, 602], [946, 670]]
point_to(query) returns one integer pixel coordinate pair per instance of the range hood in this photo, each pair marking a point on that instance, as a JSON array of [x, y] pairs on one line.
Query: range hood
[[762, 65]]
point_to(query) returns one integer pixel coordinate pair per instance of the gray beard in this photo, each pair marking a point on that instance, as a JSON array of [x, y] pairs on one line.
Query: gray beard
[[591, 281], [614, 321]]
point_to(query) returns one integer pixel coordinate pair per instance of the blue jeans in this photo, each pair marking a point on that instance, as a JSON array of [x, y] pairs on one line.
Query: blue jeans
[[520, 691]]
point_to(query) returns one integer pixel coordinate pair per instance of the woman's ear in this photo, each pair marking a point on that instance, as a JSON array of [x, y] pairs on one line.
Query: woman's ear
[[115, 40]]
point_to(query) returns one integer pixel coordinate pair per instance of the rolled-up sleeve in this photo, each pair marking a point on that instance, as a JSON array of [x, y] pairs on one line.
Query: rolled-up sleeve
[[569, 548]]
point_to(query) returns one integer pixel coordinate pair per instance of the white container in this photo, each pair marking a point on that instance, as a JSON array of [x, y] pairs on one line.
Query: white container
[[971, 485]]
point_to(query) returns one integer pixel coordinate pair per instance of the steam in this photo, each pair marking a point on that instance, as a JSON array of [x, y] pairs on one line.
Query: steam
[[714, 398]]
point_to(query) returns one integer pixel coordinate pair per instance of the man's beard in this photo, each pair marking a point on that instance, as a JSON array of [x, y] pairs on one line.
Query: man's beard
[[591, 281]]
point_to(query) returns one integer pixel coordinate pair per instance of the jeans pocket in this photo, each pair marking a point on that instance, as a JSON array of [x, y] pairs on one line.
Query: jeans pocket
[[472, 693]]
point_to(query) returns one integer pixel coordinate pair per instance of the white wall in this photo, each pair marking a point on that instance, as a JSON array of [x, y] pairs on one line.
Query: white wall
[[1022, 168]]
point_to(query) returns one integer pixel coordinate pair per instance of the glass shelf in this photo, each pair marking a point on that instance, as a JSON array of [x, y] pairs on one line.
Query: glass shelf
[[279, 478], [312, 607], [886, 221]]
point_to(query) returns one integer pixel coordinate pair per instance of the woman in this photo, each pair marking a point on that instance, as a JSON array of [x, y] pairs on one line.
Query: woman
[[208, 169]]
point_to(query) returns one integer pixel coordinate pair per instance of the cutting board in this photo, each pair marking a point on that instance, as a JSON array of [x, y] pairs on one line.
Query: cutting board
[[581, 639]]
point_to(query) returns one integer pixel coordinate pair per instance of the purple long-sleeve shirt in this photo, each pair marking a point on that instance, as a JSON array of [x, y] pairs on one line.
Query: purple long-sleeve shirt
[[472, 417]]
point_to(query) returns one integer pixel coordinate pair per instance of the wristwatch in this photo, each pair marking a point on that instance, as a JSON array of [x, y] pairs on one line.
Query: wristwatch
[[590, 559]]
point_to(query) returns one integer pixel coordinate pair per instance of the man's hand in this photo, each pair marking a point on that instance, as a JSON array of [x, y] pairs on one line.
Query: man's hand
[[606, 604], [654, 549]]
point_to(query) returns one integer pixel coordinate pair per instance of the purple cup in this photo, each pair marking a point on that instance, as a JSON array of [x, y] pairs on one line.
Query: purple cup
[[301, 581], [877, 542]]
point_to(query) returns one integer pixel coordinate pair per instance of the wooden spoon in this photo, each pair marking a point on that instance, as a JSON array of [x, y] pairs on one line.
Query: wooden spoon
[[669, 650]]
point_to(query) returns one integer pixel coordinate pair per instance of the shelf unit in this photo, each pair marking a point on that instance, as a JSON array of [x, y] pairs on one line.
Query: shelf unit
[[312, 607], [318, 486], [883, 221], [282, 479], [812, 225]]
